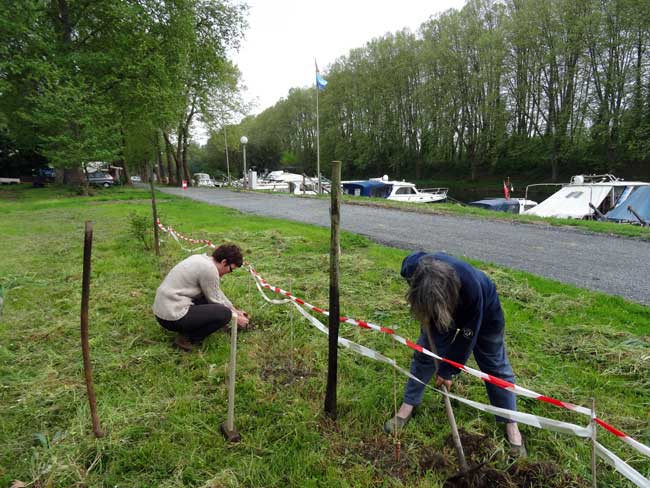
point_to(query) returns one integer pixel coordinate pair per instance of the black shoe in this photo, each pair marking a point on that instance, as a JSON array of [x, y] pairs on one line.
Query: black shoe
[[183, 343]]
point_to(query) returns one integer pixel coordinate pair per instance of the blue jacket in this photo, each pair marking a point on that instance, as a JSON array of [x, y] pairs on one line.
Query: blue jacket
[[478, 309]]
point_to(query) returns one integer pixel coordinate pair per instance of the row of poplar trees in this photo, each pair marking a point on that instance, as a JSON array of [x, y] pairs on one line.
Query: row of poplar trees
[[119, 81], [546, 86]]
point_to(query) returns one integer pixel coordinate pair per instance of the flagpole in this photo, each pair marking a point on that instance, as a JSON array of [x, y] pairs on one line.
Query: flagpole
[[317, 137]]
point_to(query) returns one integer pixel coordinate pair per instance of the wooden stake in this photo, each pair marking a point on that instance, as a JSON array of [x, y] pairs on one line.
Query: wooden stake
[[85, 347], [156, 239], [228, 427], [593, 443], [455, 436], [335, 251]]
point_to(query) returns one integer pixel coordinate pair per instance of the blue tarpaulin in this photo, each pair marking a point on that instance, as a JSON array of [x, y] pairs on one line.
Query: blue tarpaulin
[[639, 200]]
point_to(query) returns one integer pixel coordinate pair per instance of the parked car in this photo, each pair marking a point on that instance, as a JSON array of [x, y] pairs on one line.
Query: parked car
[[136, 179], [43, 176], [99, 178], [203, 179]]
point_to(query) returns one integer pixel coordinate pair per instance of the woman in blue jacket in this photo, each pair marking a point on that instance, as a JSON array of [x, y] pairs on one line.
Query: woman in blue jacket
[[460, 306]]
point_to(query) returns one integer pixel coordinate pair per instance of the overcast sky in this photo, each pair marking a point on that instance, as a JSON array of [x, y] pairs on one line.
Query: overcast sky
[[285, 36]]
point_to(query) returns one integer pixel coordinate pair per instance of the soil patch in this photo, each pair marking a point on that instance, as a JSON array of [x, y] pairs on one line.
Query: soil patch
[[283, 375]]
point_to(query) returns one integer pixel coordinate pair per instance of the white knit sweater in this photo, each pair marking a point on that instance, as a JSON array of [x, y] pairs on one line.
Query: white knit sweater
[[194, 276]]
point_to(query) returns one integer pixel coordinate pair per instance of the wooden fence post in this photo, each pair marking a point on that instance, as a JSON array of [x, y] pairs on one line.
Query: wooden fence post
[[85, 348], [335, 251]]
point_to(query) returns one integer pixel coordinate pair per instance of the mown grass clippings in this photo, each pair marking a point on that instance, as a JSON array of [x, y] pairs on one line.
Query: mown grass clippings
[[161, 409]]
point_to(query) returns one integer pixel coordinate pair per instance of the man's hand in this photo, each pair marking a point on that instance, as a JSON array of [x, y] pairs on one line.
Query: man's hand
[[441, 381]]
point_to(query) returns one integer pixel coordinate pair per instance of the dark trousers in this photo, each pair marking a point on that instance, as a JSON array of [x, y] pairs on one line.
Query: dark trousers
[[491, 357], [201, 320]]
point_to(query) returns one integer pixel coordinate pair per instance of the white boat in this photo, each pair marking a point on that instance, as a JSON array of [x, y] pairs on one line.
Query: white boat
[[283, 181], [586, 196], [400, 191], [509, 205]]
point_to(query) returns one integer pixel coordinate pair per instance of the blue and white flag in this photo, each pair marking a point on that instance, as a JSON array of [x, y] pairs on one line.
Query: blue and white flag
[[321, 83]]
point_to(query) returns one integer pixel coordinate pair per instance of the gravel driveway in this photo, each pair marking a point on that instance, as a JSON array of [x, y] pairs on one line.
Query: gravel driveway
[[613, 265]]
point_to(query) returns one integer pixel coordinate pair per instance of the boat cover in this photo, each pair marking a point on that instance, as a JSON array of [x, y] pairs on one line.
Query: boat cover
[[572, 202], [366, 188], [498, 204], [639, 200]]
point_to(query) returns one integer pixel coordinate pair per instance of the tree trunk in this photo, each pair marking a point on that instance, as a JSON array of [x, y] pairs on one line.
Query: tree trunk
[[171, 172], [159, 167]]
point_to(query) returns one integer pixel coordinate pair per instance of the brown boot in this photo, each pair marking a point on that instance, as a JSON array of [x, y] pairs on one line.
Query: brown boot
[[183, 343]]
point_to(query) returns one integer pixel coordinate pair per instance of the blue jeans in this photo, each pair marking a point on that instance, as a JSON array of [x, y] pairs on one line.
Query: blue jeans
[[491, 357]]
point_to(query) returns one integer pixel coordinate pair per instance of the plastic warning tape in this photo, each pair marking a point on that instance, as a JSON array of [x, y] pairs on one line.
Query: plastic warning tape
[[474, 372], [174, 233]]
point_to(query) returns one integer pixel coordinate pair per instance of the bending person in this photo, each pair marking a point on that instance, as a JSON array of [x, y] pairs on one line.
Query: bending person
[[460, 306], [190, 301]]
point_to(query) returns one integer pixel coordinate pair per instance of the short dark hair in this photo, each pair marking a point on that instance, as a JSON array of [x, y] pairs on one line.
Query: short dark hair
[[230, 252]]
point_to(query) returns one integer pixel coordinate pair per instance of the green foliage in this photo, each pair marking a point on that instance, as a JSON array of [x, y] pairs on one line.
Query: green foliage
[[96, 81], [140, 226]]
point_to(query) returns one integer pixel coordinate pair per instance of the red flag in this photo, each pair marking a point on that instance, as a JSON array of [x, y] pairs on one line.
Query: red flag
[[506, 191]]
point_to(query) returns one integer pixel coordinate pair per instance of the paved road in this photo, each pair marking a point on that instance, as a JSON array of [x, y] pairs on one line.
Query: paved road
[[613, 265]]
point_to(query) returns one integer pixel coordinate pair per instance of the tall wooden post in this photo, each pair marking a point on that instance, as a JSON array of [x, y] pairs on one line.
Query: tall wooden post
[[156, 239], [85, 347], [335, 251]]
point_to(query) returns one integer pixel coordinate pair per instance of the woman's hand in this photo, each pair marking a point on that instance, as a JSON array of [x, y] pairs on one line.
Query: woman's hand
[[443, 382]]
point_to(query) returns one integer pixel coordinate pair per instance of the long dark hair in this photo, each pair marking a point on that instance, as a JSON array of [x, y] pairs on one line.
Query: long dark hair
[[433, 293]]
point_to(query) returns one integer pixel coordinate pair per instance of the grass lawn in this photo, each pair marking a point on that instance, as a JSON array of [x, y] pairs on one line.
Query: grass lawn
[[161, 409]]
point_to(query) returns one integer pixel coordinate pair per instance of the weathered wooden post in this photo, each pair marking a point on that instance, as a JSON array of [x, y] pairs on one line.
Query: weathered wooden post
[[335, 251], [85, 348], [228, 427], [156, 239]]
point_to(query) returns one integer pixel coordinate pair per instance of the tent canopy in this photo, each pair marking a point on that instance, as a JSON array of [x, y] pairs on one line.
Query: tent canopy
[[639, 200]]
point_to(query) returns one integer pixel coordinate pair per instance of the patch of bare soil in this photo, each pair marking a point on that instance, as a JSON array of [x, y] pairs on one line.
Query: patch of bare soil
[[479, 451], [282, 375], [381, 452]]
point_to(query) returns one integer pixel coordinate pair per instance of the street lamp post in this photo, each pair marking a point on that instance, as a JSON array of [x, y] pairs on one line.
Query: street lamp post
[[244, 141]]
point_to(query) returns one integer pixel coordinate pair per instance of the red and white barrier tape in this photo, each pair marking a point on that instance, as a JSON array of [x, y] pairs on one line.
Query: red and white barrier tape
[[525, 418], [519, 390], [176, 235]]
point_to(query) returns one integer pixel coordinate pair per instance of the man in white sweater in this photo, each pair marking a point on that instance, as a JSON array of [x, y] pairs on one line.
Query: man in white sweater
[[190, 301]]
